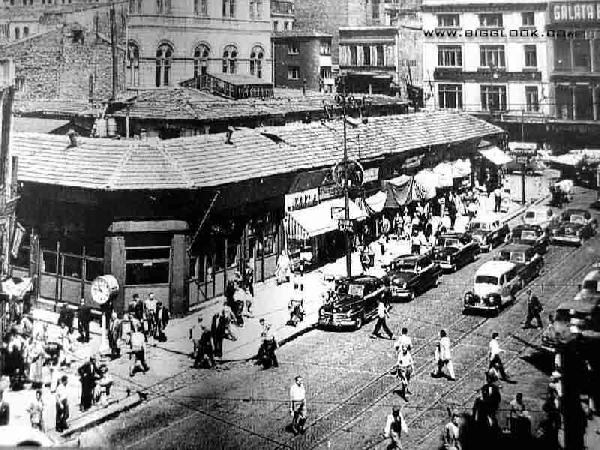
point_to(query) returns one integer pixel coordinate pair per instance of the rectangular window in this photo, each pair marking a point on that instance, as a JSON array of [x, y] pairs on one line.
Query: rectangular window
[[448, 20], [201, 7], [353, 56], [229, 8], [490, 20], [530, 56], [582, 55], [528, 19], [449, 56], [450, 96], [293, 73], [293, 48], [493, 98], [379, 50], [325, 72], [375, 10], [492, 56], [325, 48], [562, 54], [366, 55], [532, 99]]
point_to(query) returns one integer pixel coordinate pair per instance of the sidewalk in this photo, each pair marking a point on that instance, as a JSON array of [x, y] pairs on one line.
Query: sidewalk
[[271, 303]]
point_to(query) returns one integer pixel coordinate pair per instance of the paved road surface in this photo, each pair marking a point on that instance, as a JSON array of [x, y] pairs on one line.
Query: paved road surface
[[346, 375]]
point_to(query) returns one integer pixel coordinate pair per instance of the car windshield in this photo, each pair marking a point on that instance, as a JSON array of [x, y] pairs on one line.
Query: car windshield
[[530, 215], [517, 257], [353, 290], [451, 242], [590, 285], [486, 279], [408, 266], [569, 231], [479, 226], [577, 218], [528, 235], [563, 315]]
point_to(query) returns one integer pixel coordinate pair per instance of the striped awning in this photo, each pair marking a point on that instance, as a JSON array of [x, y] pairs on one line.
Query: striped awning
[[320, 219]]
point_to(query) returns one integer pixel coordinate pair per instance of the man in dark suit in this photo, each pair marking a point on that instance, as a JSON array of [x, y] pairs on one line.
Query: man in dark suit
[[162, 319], [84, 316], [66, 316]]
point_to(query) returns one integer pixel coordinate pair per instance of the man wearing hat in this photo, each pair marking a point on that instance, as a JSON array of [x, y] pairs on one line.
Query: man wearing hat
[[394, 427], [534, 308]]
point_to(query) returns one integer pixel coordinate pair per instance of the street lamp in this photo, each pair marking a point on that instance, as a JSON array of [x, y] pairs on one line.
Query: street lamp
[[346, 102]]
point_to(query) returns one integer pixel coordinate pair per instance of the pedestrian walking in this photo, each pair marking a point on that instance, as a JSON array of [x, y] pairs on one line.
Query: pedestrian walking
[[66, 317], [162, 320], [84, 317], [444, 357], [395, 426], [228, 317], [150, 310], [114, 332], [497, 199], [138, 308], [404, 341], [4, 410], [205, 353], [494, 357], [519, 419], [404, 369], [138, 352], [62, 405], [266, 353], [298, 405], [87, 377], [218, 334], [36, 411], [534, 309], [451, 436], [382, 314]]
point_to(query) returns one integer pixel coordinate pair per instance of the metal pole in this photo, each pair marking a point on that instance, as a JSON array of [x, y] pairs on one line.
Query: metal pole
[[346, 200], [113, 44], [523, 179]]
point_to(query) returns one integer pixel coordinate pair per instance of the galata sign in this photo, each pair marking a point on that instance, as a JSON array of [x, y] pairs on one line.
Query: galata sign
[[574, 12]]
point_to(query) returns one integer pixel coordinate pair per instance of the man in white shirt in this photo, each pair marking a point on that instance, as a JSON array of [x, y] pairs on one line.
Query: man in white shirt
[[444, 357], [403, 341], [495, 360], [62, 405], [382, 314], [298, 405], [405, 368], [394, 427]]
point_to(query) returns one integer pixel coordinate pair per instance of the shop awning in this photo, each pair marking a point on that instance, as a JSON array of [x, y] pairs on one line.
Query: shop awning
[[320, 219], [403, 190], [496, 156], [373, 204]]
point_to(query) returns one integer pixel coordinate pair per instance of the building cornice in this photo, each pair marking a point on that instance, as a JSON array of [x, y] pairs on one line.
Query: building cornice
[[484, 7]]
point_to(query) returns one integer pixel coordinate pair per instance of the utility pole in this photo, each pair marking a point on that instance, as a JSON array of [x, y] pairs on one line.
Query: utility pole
[[346, 199], [113, 45], [524, 166]]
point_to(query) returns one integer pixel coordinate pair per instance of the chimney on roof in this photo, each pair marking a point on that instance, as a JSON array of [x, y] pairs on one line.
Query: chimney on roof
[[72, 138], [228, 135]]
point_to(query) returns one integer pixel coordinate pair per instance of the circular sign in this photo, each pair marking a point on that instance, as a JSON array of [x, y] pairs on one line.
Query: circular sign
[[356, 173], [103, 288]]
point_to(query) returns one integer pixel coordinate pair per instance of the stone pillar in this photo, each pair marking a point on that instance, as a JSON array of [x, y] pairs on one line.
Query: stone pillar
[[114, 264], [574, 97], [178, 292], [595, 101]]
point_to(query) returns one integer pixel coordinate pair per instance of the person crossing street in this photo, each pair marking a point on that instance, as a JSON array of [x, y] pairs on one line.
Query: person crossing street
[[394, 428], [494, 357], [382, 314], [444, 357], [534, 309]]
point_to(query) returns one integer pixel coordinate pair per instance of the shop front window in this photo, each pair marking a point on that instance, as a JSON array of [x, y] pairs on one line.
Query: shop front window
[[147, 259], [581, 55]]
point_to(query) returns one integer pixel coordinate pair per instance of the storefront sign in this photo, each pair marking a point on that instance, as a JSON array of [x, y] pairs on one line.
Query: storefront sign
[[413, 162], [18, 233], [575, 12], [371, 174], [301, 200], [330, 191]]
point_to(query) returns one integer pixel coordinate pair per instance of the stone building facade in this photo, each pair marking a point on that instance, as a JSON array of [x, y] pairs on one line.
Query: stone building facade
[[68, 62], [176, 40]]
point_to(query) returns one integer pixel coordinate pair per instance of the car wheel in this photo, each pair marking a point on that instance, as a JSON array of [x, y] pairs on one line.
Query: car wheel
[[359, 322]]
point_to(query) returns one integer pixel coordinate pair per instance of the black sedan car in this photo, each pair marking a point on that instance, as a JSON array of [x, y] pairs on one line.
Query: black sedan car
[[532, 235], [355, 302], [581, 216], [455, 250], [570, 233], [528, 262], [413, 275]]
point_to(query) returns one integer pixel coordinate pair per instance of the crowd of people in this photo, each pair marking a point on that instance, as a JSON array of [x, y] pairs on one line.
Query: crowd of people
[[36, 357]]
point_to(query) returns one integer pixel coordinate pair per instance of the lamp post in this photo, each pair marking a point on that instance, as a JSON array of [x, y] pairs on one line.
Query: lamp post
[[346, 102]]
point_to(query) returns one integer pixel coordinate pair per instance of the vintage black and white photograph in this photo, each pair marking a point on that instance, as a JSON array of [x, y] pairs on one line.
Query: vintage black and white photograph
[[300, 224]]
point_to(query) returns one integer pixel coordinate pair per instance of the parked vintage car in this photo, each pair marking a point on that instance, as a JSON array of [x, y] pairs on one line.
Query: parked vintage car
[[413, 275], [488, 232], [495, 286], [455, 250], [355, 302], [582, 216], [570, 233], [528, 261], [541, 216], [532, 235]]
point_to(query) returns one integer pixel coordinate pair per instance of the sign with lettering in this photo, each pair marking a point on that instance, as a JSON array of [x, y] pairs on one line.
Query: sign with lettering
[[371, 174], [330, 191], [413, 162], [561, 12], [301, 200]]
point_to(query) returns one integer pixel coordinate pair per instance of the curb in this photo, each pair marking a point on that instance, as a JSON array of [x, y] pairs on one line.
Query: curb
[[96, 418]]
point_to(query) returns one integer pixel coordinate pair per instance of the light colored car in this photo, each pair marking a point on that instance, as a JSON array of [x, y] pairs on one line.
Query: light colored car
[[543, 217], [488, 232], [495, 285], [23, 436]]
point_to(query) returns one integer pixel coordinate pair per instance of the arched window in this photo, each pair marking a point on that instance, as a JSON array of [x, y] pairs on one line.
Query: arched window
[[17, 33], [256, 57], [230, 59], [201, 60], [164, 57], [133, 64], [25, 32]]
